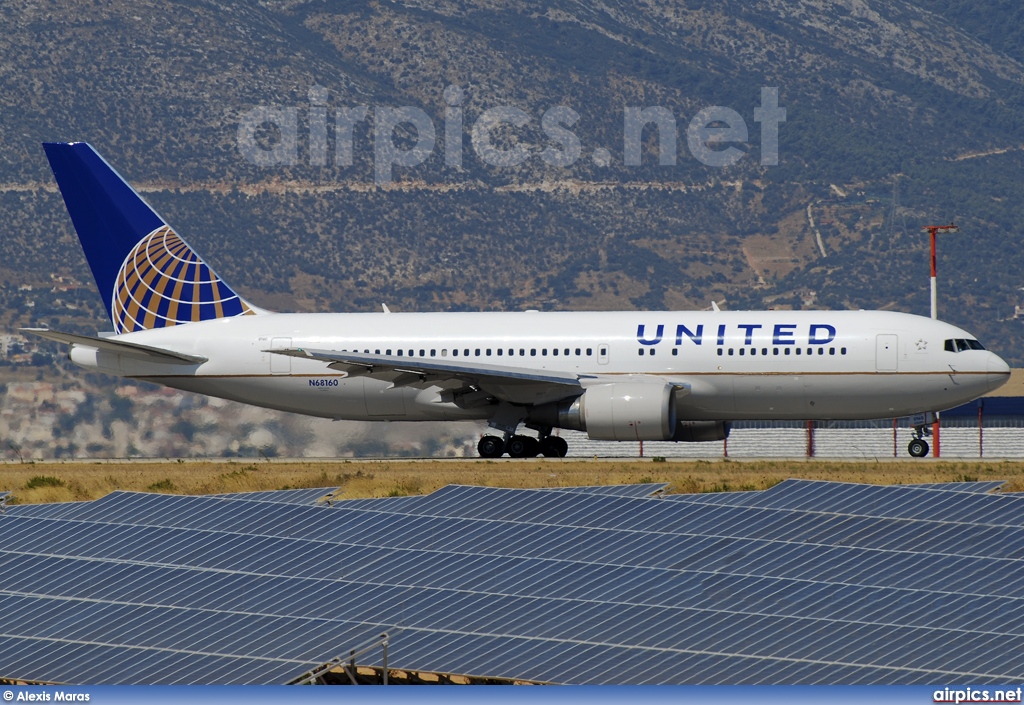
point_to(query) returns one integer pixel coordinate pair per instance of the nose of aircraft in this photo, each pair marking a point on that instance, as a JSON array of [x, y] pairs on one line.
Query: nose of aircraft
[[998, 371]]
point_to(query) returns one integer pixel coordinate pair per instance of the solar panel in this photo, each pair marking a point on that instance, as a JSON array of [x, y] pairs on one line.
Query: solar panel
[[53, 510], [869, 500], [982, 486], [379, 504], [300, 496], [554, 586], [737, 498], [647, 489]]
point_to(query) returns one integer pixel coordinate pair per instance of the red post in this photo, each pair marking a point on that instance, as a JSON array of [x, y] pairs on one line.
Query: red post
[[894, 423], [641, 449], [810, 439], [725, 447], [932, 231], [981, 433], [935, 436]]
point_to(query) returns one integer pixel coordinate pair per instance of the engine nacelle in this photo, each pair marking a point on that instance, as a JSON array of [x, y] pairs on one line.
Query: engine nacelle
[[701, 431], [616, 412]]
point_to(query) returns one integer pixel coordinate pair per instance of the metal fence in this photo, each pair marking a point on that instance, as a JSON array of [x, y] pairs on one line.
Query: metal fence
[[996, 432]]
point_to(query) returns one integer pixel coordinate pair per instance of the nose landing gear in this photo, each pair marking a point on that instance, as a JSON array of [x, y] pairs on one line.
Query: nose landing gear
[[918, 448]]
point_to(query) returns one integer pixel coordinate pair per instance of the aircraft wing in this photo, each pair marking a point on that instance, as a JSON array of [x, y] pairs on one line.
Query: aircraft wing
[[513, 384], [119, 347]]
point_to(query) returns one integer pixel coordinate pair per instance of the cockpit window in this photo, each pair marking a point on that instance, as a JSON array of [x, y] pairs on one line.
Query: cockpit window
[[961, 344]]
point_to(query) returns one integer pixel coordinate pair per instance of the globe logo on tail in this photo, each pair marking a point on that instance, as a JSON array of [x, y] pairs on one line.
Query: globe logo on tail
[[163, 282]]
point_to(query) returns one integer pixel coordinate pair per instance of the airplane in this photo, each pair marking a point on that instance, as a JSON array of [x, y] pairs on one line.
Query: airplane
[[629, 375]]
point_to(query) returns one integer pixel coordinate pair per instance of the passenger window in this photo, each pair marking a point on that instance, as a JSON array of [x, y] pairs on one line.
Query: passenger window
[[842, 351], [764, 351], [799, 351], [675, 351], [376, 352], [399, 353], [653, 351], [719, 352], [810, 351], [640, 351], [465, 353], [577, 352], [787, 351], [567, 352], [590, 351], [730, 351], [533, 352], [821, 351], [544, 352], [387, 352], [831, 351], [423, 353], [743, 351], [775, 351], [478, 352], [433, 353], [753, 351], [554, 351], [500, 351], [604, 351]]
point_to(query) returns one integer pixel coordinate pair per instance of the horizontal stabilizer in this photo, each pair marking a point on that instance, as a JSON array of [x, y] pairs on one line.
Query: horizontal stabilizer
[[119, 347]]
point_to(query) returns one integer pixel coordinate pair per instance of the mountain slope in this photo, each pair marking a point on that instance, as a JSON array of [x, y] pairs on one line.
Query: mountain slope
[[928, 95]]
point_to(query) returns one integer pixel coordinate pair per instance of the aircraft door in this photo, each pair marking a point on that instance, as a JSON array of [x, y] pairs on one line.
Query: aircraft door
[[886, 353], [280, 364]]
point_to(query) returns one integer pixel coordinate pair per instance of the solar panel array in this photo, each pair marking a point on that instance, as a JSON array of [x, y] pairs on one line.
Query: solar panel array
[[809, 582]]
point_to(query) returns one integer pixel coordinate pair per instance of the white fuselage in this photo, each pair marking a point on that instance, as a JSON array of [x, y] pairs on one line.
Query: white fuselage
[[737, 364]]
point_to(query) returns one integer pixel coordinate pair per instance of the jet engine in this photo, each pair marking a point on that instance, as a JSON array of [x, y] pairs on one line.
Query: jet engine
[[616, 412], [626, 411]]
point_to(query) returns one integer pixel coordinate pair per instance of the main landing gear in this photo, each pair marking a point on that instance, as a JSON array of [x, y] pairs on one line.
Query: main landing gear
[[519, 446]]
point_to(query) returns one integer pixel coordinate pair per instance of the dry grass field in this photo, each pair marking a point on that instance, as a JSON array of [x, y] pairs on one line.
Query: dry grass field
[[66, 481]]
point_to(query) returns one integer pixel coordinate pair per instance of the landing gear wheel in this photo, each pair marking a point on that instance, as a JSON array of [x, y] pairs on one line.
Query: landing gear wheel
[[554, 447], [532, 447], [523, 447], [491, 447], [918, 448]]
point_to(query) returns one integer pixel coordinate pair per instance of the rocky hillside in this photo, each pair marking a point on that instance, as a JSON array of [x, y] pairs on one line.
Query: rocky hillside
[[898, 114]]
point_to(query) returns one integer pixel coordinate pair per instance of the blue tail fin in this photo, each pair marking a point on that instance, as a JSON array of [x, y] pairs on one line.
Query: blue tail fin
[[147, 275]]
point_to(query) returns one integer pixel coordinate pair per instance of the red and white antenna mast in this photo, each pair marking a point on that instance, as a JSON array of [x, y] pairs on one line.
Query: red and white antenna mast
[[933, 230]]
